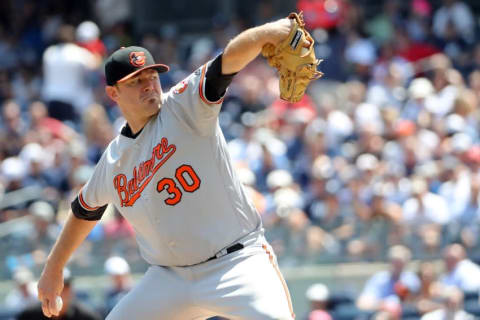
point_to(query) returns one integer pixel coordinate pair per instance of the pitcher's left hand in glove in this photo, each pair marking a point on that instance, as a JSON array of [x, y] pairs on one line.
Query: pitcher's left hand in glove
[[295, 60]]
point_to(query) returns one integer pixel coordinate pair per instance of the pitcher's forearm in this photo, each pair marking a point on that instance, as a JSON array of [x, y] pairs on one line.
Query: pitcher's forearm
[[73, 234], [247, 45]]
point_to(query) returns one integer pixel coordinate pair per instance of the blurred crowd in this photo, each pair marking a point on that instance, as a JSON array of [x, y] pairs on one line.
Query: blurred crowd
[[445, 290], [382, 153]]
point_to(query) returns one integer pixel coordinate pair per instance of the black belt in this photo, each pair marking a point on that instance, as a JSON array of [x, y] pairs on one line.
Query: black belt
[[233, 248]]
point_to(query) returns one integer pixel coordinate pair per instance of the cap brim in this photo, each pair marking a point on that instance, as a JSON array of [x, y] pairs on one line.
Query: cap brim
[[161, 68]]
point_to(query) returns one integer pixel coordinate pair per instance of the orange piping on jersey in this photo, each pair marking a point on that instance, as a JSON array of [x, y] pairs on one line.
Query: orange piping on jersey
[[200, 88], [129, 191], [279, 274], [83, 204]]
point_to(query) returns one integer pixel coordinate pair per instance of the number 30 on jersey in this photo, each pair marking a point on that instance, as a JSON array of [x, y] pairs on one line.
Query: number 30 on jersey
[[185, 177]]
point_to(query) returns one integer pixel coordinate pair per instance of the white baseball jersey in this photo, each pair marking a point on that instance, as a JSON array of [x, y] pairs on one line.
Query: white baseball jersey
[[175, 182]]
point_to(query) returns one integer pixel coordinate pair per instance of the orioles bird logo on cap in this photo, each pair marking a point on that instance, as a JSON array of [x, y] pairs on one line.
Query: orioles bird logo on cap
[[137, 58]]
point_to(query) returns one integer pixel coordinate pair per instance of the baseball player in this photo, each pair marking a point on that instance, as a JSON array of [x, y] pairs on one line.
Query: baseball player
[[169, 174]]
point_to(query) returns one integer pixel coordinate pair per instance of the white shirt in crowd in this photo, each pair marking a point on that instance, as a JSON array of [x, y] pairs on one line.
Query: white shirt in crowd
[[465, 276], [435, 210], [65, 68], [459, 14]]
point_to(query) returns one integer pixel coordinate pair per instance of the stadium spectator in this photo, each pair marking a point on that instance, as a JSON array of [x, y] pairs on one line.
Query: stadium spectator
[[427, 298], [424, 213], [454, 16], [87, 35], [466, 227], [318, 296], [446, 83], [38, 235], [25, 291], [460, 271], [12, 130], [118, 270], [66, 67], [98, 131], [386, 289], [452, 307]]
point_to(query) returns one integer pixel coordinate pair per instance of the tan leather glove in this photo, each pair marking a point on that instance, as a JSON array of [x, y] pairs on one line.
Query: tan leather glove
[[294, 59]]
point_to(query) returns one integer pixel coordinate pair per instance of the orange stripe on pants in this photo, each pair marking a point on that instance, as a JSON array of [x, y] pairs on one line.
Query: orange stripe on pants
[[279, 274]]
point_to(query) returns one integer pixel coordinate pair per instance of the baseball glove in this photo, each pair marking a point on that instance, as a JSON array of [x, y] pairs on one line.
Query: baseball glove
[[294, 59]]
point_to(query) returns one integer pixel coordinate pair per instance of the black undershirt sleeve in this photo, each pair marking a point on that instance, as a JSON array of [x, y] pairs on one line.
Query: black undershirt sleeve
[[81, 213], [216, 83]]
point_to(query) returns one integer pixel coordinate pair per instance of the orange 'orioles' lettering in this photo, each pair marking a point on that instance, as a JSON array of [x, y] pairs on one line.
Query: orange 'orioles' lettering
[[129, 191]]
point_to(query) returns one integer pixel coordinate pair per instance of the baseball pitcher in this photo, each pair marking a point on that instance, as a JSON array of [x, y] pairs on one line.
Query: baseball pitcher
[[169, 174]]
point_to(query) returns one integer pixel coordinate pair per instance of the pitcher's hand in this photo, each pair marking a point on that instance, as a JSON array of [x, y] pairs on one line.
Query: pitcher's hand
[[50, 286]]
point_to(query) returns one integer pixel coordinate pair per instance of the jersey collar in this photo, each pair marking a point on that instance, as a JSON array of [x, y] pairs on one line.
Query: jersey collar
[[127, 132]]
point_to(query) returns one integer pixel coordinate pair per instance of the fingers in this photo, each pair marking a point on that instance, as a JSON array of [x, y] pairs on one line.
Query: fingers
[[50, 307], [45, 308], [279, 30], [49, 287]]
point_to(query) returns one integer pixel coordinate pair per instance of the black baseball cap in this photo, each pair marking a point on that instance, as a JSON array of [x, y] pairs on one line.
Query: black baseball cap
[[126, 62]]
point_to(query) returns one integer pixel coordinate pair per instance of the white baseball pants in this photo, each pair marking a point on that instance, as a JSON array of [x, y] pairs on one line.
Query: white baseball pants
[[245, 284]]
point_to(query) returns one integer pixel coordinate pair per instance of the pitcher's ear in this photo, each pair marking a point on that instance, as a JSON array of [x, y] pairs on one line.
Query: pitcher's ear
[[112, 92]]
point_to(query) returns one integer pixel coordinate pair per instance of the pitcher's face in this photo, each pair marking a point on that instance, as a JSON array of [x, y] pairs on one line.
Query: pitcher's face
[[139, 96]]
